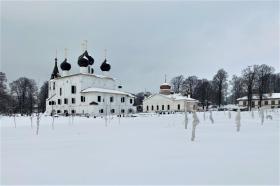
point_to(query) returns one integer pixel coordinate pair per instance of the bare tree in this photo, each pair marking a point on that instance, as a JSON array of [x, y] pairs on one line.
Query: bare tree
[[237, 88], [220, 85], [189, 85], [5, 98], [24, 89], [176, 83], [274, 82], [203, 92], [263, 73], [43, 95], [249, 78]]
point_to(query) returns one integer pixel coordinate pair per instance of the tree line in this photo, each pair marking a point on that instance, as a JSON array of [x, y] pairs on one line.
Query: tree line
[[22, 96], [257, 79]]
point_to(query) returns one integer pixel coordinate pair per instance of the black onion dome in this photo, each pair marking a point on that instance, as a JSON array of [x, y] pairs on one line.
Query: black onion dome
[[105, 66], [90, 59], [82, 61], [65, 65], [55, 72]]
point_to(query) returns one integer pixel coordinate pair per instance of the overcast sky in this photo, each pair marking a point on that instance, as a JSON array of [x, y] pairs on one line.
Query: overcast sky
[[144, 40]]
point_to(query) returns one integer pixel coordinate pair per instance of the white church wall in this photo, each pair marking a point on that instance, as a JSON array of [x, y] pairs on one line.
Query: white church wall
[[158, 101], [93, 81], [155, 103], [106, 104], [81, 82]]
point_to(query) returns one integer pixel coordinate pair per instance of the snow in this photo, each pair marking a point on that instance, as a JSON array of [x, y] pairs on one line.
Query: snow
[[87, 74], [148, 149], [265, 96], [106, 91], [180, 97], [175, 97]]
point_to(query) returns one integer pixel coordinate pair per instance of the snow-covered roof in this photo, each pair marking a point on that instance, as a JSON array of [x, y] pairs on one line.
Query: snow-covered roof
[[103, 90], [174, 97], [179, 97], [265, 96], [87, 74]]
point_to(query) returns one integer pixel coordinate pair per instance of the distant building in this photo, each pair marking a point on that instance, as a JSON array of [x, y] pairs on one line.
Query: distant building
[[166, 101], [86, 92], [271, 100]]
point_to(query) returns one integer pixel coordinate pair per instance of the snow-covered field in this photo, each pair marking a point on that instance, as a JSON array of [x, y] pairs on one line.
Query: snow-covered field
[[148, 149]]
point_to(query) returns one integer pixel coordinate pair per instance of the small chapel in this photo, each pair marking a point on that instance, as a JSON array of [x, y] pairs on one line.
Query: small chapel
[[167, 101]]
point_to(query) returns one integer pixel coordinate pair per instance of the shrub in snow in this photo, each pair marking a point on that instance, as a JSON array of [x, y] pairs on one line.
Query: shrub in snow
[[53, 121], [211, 117], [262, 115], [38, 117], [237, 120], [195, 123], [269, 117], [15, 123], [186, 120], [204, 115], [31, 120]]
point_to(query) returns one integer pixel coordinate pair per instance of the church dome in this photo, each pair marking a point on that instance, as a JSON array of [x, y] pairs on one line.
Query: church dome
[[90, 59], [84, 60], [105, 66], [165, 86], [65, 65]]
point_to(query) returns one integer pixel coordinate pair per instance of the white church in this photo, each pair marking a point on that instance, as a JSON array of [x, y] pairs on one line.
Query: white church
[[86, 93], [167, 101]]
